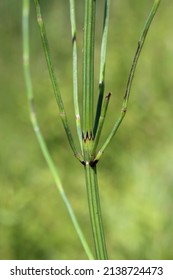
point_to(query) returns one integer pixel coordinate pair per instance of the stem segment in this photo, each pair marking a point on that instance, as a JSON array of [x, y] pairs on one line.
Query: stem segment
[[95, 212], [88, 67]]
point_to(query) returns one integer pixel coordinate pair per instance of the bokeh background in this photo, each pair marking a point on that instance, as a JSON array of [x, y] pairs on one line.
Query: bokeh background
[[135, 173]]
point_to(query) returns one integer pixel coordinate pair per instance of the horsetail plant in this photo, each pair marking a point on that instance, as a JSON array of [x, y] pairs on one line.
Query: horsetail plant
[[89, 127]]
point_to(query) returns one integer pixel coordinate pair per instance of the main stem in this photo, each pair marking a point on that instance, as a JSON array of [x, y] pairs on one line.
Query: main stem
[[95, 212], [87, 127]]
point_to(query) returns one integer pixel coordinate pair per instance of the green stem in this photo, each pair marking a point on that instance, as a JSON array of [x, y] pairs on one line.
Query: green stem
[[54, 80], [88, 136], [36, 128], [131, 77], [95, 211], [88, 67]]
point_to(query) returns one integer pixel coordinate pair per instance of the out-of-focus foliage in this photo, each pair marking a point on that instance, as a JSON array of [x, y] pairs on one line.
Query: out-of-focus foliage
[[135, 173]]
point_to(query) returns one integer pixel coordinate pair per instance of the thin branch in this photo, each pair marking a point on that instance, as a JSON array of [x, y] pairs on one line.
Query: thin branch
[[54, 80], [131, 77], [101, 122], [102, 63], [75, 70], [36, 128]]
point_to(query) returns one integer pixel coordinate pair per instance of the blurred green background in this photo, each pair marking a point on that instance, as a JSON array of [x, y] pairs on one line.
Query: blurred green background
[[135, 173]]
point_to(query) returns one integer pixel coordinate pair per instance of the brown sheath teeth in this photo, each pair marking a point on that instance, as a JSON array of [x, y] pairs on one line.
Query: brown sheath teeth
[[88, 136]]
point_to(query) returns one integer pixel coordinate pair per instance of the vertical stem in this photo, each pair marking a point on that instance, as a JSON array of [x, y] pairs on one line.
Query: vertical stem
[[88, 67], [88, 124], [95, 211]]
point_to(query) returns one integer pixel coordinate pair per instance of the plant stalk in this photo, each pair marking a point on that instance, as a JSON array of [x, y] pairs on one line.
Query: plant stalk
[[88, 136]]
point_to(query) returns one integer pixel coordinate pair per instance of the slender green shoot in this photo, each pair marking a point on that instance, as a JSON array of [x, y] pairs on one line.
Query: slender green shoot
[[131, 77], [102, 63], [54, 80], [88, 68], [36, 128], [75, 70]]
